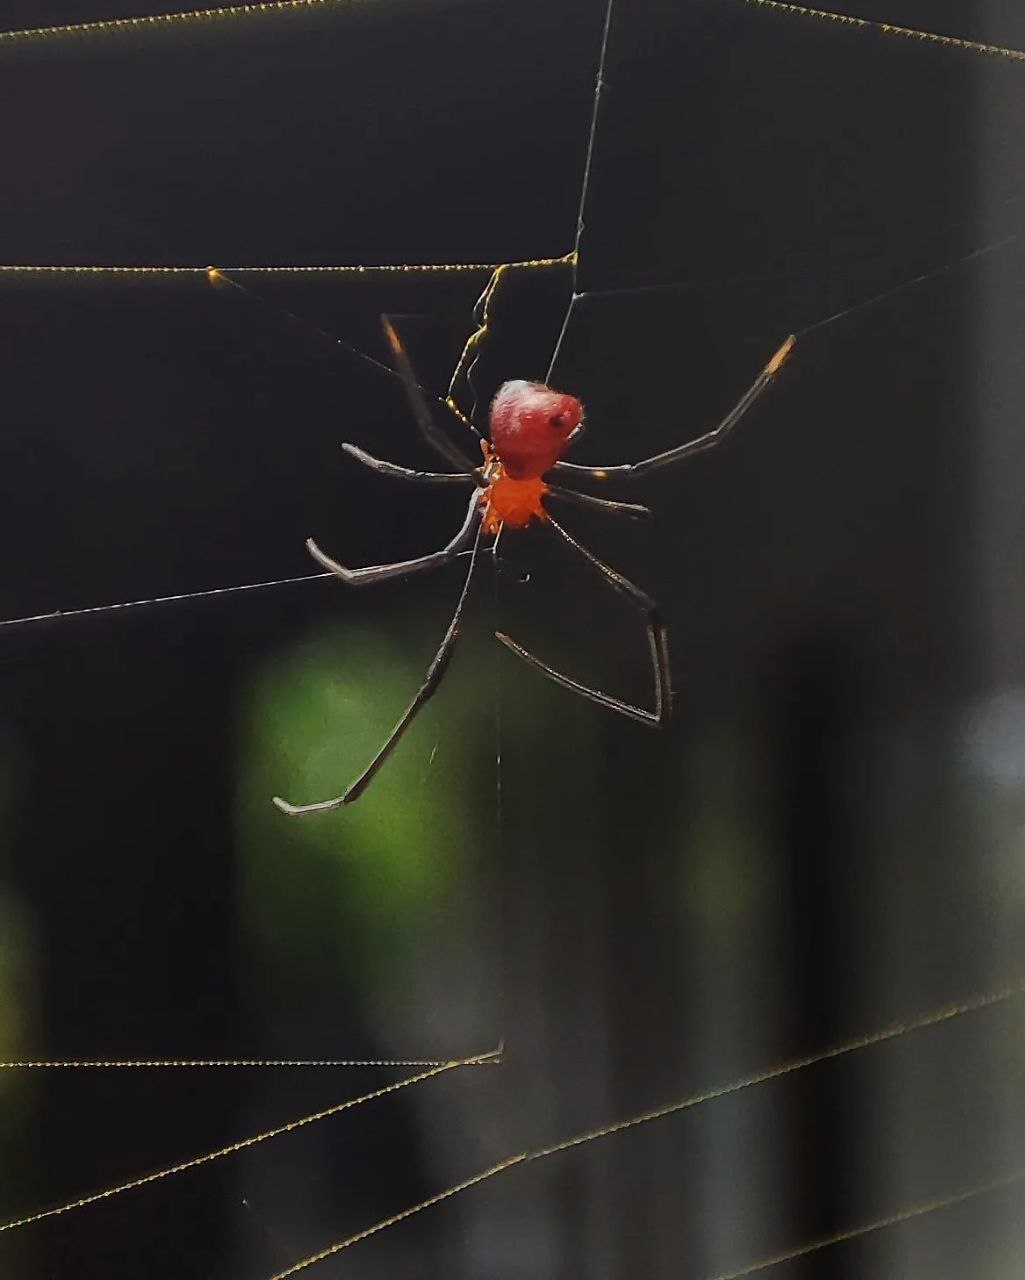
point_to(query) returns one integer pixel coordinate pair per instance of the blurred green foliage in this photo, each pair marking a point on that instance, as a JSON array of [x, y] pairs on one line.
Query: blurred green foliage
[[724, 873], [355, 891]]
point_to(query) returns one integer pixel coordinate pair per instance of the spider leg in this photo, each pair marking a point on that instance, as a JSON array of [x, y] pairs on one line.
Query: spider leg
[[602, 504], [438, 441], [435, 672], [708, 441], [401, 568], [658, 644], [393, 469]]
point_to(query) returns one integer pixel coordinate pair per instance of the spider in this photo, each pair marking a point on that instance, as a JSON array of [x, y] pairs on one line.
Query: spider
[[531, 426]]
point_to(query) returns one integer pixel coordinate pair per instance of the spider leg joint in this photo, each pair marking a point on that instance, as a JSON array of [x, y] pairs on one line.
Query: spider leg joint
[[332, 566], [781, 356]]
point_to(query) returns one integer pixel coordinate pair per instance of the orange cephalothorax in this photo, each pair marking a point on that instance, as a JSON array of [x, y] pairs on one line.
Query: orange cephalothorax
[[507, 500], [513, 502], [531, 426]]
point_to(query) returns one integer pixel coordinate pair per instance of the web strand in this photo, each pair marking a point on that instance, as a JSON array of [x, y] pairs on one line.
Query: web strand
[[933, 274], [292, 269], [671, 286], [585, 184], [891, 29], [243, 1144], [895, 1219], [123, 1064], [156, 21], [64, 615], [894, 1031]]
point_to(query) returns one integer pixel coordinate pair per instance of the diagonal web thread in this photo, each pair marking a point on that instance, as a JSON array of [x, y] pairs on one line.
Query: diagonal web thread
[[934, 1018], [895, 1219], [194, 1162], [893, 1031], [890, 28], [187, 17], [599, 87]]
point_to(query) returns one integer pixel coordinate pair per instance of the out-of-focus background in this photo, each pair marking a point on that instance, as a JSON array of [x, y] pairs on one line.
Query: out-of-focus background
[[829, 838]]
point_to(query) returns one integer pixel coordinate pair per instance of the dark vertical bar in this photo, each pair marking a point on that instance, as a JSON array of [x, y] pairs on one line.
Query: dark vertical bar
[[819, 835]]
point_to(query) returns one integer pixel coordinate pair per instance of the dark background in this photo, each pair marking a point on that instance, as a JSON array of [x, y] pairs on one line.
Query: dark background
[[829, 836]]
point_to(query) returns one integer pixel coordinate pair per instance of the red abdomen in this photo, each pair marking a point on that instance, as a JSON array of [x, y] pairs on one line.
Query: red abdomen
[[531, 426]]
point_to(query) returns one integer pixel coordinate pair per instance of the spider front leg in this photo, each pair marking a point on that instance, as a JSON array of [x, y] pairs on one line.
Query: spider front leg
[[708, 441], [401, 568], [396, 472], [658, 644], [435, 671], [422, 415]]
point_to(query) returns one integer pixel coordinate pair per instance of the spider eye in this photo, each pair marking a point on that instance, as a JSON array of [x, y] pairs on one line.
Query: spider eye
[[557, 420]]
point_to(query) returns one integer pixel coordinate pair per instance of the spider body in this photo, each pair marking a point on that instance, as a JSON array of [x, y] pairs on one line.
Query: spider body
[[531, 427]]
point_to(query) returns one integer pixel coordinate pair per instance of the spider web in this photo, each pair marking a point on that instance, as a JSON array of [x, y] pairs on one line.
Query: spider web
[[828, 840]]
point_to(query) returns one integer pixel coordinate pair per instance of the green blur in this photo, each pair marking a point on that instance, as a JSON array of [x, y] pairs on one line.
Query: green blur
[[351, 890]]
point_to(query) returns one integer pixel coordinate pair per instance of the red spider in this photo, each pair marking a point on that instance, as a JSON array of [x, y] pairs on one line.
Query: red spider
[[530, 426]]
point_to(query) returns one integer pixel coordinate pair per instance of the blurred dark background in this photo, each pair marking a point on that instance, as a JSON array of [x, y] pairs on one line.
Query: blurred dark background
[[829, 837]]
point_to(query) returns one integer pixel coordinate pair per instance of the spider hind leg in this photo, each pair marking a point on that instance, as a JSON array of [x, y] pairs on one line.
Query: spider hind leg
[[658, 644]]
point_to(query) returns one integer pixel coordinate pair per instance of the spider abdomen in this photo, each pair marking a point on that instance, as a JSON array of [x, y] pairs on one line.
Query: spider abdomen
[[531, 427]]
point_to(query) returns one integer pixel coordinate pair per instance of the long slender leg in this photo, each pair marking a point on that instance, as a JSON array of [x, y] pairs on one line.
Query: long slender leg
[[633, 509], [470, 353], [401, 568], [418, 403], [396, 472], [708, 441], [435, 672], [658, 644]]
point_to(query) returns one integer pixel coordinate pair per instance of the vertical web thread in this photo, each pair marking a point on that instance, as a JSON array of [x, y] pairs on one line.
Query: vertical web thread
[[599, 86]]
